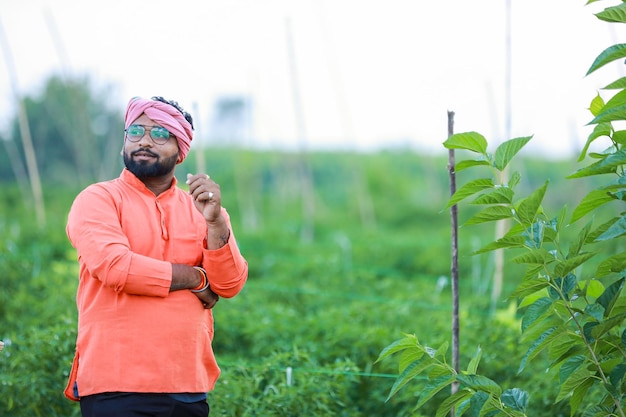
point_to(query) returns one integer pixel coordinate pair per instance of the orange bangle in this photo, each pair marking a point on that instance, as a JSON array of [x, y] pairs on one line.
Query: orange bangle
[[204, 284]]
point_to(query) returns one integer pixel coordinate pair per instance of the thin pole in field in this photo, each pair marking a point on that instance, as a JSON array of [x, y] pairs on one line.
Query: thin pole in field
[[455, 257], [498, 275], [303, 168], [29, 149], [200, 163]]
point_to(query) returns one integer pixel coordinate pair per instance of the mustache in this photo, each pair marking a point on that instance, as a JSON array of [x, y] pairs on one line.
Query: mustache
[[133, 153]]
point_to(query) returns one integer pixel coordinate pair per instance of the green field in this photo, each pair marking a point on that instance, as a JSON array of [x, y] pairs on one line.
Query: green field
[[330, 285]]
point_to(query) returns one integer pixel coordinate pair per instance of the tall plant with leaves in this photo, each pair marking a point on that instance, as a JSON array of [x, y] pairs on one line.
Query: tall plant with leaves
[[573, 310]]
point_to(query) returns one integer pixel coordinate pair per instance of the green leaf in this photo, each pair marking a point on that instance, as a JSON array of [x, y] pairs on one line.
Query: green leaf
[[535, 256], [591, 238], [439, 370], [507, 150], [505, 242], [613, 264], [619, 183], [491, 213], [597, 410], [579, 393], [588, 330], [452, 401], [590, 202], [433, 387], [616, 14], [534, 234], [528, 207], [595, 310], [515, 399], [549, 235], [462, 407], [468, 163], [500, 195], [472, 367], [565, 347], [515, 230], [477, 402], [535, 311], [616, 85], [594, 288], [616, 230], [530, 286], [559, 220], [619, 137], [577, 244], [441, 351], [537, 346], [608, 115], [479, 383], [410, 341], [565, 267], [617, 375], [409, 356], [602, 328], [600, 130], [597, 104], [469, 189], [515, 179], [604, 153], [610, 54], [540, 326], [411, 372], [618, 100], [610, 296], [471, 141], [562, 287], [576, 378], [570, 366], [607, 165]]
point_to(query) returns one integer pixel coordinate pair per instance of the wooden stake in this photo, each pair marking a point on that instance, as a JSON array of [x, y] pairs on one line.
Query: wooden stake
[[455, 257], [303, 167], [29, 150]]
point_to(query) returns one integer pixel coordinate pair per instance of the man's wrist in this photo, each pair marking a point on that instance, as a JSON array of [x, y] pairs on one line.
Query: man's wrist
[[204, 283], [218, 233]]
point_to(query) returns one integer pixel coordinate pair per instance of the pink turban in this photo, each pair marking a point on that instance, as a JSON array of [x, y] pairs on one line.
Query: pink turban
[[165, 115]]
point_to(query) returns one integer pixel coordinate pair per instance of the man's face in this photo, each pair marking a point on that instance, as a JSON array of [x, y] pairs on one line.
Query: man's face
[[144, 157]]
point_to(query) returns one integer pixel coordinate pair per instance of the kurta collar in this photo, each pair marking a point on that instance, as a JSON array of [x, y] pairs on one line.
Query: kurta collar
[[130, 179]]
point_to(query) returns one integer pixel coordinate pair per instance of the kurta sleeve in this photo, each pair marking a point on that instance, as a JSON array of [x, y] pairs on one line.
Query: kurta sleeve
[[94, 229], [226, 268]]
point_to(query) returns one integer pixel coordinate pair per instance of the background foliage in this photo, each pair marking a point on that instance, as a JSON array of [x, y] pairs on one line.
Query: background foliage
[[324, 308], [573, 309]]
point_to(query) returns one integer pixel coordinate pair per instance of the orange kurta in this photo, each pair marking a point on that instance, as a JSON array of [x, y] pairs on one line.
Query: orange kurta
[[134, 335]]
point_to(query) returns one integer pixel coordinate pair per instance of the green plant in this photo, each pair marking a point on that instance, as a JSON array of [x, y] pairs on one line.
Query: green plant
[[282, 386], [573, 308]]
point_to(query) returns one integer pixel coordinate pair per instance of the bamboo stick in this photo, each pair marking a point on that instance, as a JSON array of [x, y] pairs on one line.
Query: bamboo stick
[[29, 150], [455, 257], [303, 168]]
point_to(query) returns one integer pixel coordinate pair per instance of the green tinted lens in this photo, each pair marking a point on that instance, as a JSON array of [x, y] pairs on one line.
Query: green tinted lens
[[136, 131], [159, 133]]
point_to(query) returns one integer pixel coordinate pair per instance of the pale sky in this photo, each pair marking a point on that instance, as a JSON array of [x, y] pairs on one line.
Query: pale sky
[[370, 73]]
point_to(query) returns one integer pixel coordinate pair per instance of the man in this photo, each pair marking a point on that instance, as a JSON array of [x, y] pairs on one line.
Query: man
[[154, 260]]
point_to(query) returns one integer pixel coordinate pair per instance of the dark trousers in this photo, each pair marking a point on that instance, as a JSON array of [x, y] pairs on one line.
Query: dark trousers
[[122, 404]]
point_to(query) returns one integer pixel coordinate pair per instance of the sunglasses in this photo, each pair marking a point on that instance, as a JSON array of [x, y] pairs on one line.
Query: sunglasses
[[158, 134]]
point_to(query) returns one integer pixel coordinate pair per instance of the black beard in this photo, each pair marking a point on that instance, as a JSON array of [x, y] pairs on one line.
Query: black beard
[[145, 169]]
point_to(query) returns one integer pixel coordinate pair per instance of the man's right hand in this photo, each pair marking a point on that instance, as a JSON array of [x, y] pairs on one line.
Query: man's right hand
[[208, 298]]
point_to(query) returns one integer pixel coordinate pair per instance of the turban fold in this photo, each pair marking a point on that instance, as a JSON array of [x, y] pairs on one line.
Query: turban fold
[[165, 115]]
